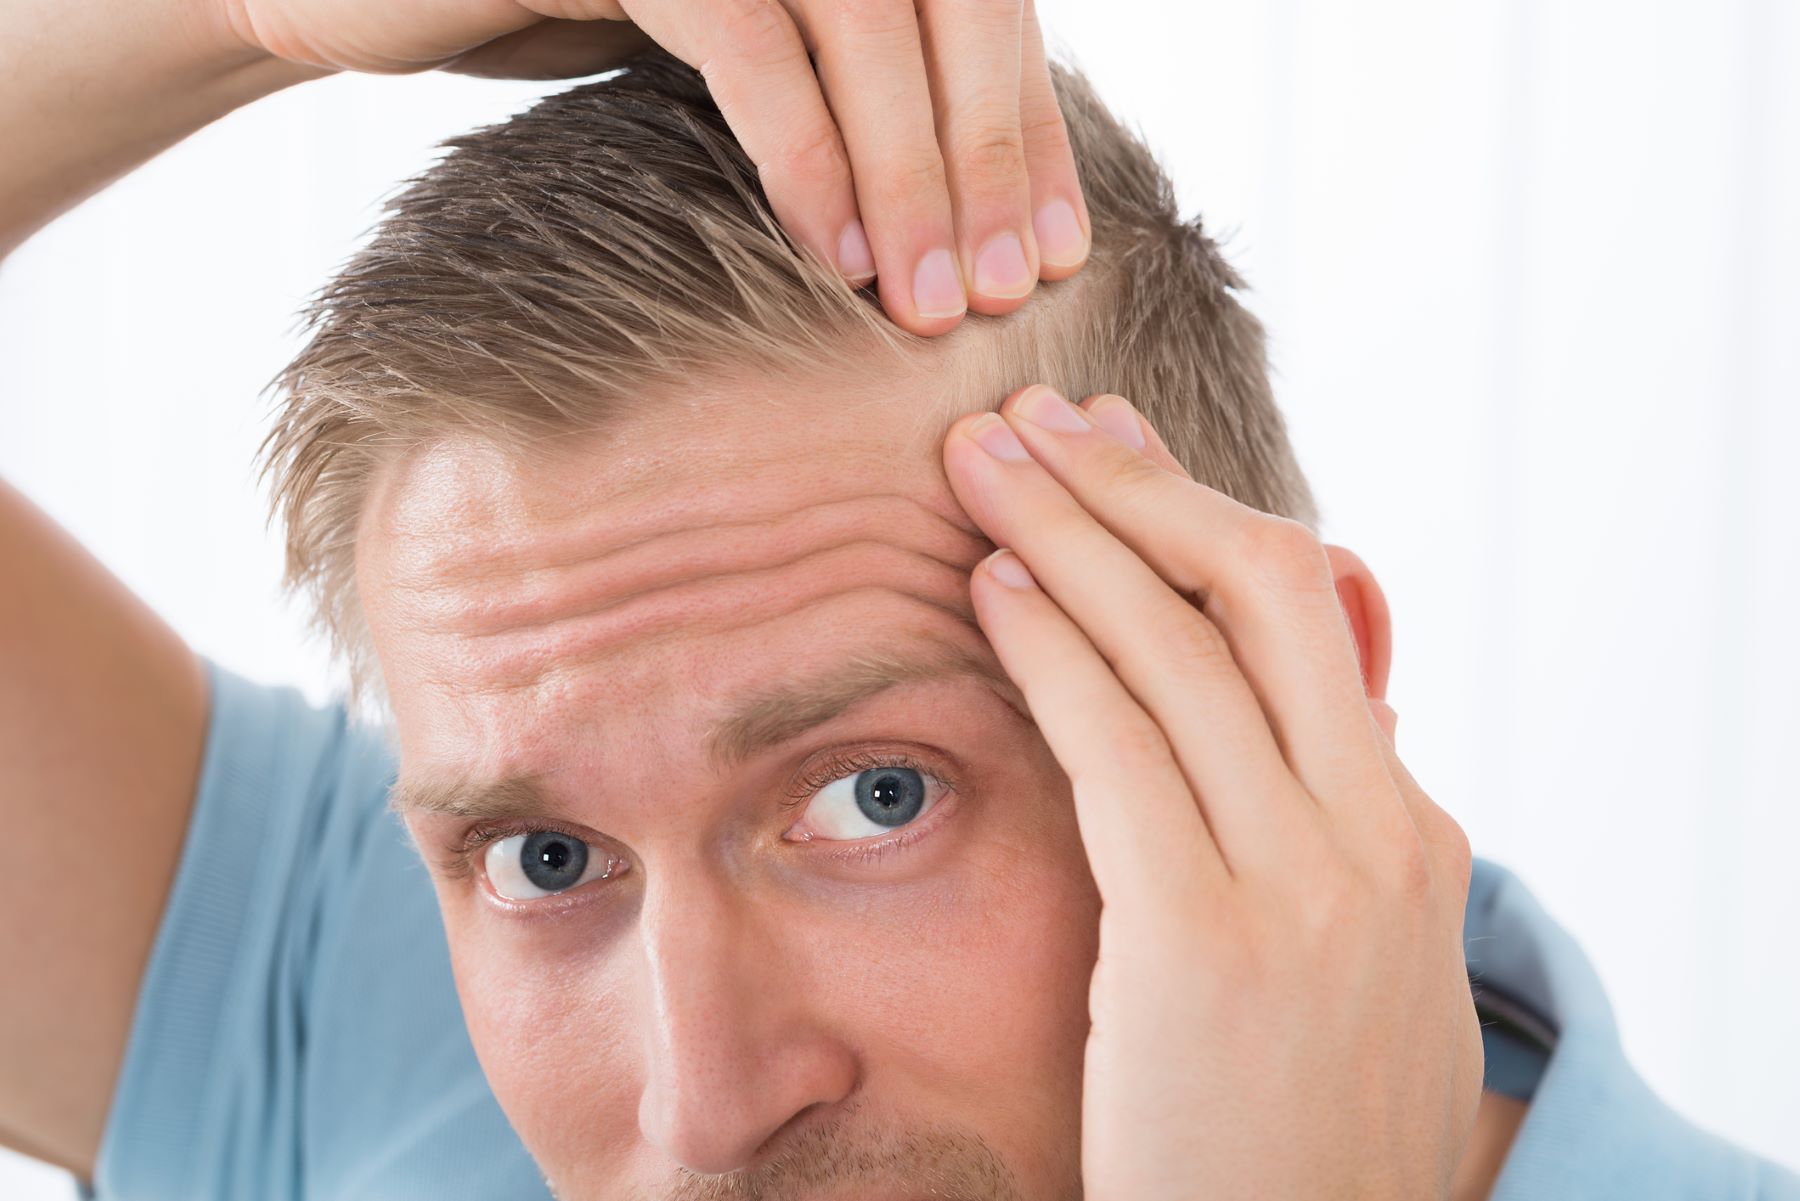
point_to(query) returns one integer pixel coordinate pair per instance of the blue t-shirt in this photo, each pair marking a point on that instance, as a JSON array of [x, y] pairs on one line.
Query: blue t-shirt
[[298, 1036]]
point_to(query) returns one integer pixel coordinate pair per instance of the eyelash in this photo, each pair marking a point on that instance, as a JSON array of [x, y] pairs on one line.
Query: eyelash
[[461, 863], [864, 851], [837, 767]]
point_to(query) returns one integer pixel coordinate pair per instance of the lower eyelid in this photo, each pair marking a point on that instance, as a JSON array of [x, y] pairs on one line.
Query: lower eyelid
[[611, 866], [913, 830], [869, 850]]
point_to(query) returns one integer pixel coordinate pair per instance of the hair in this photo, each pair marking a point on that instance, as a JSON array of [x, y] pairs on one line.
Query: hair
[[613, 239]]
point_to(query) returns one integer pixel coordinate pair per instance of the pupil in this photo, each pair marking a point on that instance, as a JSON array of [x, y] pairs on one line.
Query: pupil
[[553, 861], [890, 796]]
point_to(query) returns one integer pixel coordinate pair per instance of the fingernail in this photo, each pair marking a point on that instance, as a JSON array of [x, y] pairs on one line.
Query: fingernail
[[854, 258], [1115, 415], [1046, 409], [1001, 270], [1060, 240], [1009, 569], [993, 435], [937, 292]]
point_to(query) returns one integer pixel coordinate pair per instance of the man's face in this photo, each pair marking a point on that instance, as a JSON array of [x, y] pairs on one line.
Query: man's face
[[781, 888]]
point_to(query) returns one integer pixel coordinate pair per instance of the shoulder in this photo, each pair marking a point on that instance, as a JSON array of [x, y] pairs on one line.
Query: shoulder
[[299, 994], [1594, 1129]]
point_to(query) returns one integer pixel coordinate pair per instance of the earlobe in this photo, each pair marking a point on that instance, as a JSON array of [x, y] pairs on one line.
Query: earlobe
[[1366, 609]]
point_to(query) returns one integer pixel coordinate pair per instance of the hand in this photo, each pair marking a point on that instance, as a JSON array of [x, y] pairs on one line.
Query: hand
[[926, 146], [1280, 1007]]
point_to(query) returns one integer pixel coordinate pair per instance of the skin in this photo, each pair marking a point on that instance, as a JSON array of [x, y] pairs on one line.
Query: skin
[[1251, 830], [731, 988], [768, 1018], [920, 129], [722, 1042], [917, 147]]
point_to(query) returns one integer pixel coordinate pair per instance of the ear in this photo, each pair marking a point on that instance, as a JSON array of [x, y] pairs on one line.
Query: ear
[[1366, 610]]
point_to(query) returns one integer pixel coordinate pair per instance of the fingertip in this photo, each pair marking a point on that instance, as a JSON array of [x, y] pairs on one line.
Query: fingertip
[[1114, 414], [927, 299], [1152, 447], [855, 258], [1002, 273], [1063, 240], [937, 288], [1010, 570]]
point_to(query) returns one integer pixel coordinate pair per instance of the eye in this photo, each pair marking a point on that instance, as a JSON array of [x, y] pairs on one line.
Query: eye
[[539, 863], [876, 801]]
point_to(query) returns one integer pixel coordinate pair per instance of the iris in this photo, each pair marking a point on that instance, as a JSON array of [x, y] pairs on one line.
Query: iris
[[552, 860], [890, 796]]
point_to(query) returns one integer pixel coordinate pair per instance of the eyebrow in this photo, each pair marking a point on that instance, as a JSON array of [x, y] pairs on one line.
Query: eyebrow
[[761, 722]]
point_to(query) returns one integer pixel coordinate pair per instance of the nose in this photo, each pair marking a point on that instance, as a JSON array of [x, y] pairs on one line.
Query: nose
[[734, 1051]]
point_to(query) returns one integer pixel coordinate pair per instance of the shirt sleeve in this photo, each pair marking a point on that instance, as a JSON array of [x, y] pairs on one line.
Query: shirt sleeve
[[209, 1089]]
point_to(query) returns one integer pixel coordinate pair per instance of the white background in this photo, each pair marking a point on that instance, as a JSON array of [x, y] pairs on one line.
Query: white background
[[1532, 276]]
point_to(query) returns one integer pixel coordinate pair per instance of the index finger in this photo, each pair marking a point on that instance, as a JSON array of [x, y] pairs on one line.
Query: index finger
[[756, 66], [1264, 580], [1059, 211], [1147, 842]]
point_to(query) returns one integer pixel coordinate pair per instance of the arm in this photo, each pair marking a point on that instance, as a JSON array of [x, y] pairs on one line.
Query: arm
[[102, 707], [102, 716], [94, 90]]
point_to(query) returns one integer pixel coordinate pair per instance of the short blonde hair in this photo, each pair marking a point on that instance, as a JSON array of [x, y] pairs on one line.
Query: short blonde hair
[[611, 240]]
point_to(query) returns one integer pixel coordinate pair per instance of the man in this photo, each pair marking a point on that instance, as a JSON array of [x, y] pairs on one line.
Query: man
[[788, 842]]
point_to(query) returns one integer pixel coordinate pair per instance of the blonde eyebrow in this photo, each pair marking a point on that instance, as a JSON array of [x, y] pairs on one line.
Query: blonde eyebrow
[[515, 796], [765, 720], [785, 712]]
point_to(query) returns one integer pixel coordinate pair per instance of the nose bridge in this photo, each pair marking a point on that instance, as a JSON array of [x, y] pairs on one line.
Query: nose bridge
[[731, 1049]]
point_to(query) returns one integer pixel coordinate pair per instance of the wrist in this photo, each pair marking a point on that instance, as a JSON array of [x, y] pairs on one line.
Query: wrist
[[96, 89], [227, 49]]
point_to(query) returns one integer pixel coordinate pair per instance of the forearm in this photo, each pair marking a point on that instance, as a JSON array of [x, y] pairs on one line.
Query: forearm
[[95, 89]]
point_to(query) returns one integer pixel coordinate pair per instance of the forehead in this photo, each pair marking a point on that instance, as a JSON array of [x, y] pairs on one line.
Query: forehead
[[614, 589]]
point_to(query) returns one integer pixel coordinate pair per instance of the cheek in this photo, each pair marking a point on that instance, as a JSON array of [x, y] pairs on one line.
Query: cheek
[[968, 1000], [551, 1028], [963, 995]]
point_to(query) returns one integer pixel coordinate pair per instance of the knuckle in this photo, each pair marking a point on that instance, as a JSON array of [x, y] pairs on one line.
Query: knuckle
[[865, 18], [1144, 491], [1283, 553], [1132, 743], [1408, 871], [1456, 854], [1043, 130], [990, 157], [815, 157], [910, 177], [1188, 645], [753, 28]]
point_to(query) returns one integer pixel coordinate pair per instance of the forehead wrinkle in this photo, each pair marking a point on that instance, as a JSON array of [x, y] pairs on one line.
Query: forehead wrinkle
[[579, 540], [783, 712], [547, 593], [696, 583], [534, 667]]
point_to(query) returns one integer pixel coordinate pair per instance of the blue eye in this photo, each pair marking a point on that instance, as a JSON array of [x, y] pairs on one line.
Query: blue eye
[[541, 863], [868, 803]]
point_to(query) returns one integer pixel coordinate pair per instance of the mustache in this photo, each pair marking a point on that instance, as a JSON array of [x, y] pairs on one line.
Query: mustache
[[832, 1159]]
